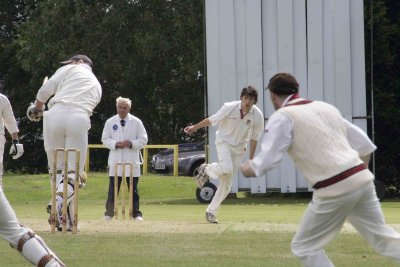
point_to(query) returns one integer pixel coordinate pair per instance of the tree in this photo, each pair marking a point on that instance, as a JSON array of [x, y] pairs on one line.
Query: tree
[[384, 20], [150, 51]]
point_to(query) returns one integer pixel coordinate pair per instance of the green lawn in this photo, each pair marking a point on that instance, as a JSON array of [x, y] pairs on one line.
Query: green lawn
[[253, 230]]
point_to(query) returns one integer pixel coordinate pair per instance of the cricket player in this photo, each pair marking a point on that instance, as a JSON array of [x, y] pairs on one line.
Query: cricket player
[[125, 135], [8, 121], [32, 246], [239, 122], [333, 156], [76, 92]]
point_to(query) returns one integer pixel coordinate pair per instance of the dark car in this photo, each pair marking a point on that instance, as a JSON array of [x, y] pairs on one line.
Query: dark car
[[190, 156]]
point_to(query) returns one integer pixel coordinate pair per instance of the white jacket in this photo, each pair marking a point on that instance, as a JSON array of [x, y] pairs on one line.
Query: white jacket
[[133, 131]]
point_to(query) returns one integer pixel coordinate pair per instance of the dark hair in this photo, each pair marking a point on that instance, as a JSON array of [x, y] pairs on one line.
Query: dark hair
[[250, 91], [283, 84]]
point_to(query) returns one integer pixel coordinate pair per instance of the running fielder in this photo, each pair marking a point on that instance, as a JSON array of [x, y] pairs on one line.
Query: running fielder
[[76, 92], [32, 246], [333, 156]]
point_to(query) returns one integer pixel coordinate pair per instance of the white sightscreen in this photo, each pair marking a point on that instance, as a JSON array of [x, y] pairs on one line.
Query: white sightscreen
[[320, 42]]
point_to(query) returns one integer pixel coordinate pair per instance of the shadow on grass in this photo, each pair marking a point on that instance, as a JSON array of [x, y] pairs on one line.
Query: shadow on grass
[[243, 198]]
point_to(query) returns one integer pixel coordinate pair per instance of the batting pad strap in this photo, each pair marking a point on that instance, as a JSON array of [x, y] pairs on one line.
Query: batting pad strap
[[44, 260], [24, 239]]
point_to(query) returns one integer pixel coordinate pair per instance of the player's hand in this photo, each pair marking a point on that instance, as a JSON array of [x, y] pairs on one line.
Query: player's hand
[[33, 113], [189, 130], [127, 144], [16, 149], [247, 170]]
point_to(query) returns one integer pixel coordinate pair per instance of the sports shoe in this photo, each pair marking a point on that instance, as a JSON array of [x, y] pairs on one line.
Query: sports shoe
[[211, 218], [138, 218], [201, 177], [107, 218]]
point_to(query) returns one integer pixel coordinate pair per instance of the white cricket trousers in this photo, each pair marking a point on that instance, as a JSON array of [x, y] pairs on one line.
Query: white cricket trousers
[[324, 218], [2, 143], [10, 229], [229, 159], [65, 126]]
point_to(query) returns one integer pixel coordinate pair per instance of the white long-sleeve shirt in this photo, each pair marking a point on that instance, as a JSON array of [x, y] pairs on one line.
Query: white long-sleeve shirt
[[278, 137], [74, 85], [236, 131], [133, 131], [7, 118]]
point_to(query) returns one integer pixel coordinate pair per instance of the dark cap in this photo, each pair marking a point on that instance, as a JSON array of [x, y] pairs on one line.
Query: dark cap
[[283, 84], [75, 58]]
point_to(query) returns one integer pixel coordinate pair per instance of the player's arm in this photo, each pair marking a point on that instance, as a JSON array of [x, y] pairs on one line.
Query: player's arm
[[193, 128], [141, 139], [106, 136], [359, 141], [253, 146], [277, 139]]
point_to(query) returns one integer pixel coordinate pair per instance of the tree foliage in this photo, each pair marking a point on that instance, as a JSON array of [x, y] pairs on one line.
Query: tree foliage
[[382, 21], [150, 51]]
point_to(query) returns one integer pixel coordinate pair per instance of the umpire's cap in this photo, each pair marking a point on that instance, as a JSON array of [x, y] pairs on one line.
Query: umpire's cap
[[75, 58], [283, 84]]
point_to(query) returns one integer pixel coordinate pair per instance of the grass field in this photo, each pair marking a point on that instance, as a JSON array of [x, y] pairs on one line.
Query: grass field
[[253, 230]]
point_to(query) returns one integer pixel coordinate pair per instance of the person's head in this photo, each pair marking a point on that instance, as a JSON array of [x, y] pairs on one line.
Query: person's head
[[123, 106], [280, 86], [79, 59], [249, 97]]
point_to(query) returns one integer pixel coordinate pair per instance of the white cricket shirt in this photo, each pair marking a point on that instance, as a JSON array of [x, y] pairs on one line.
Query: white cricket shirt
[[73, 85], [235, 130]]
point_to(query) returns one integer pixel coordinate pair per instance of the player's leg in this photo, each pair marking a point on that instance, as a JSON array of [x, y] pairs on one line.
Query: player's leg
[[53, 135], [109, 213], [224, 166], [32, 246], [60, 204], [224, 171], [76, 136], [137, 214], [368, 219], [2, 143], [320, 224]]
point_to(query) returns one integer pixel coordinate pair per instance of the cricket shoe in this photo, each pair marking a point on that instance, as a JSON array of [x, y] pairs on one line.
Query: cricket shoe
[[107, 218], [201, 177], [211, 218], [138, 218]]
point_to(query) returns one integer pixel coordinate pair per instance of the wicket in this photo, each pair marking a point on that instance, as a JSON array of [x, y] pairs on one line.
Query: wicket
[[123, 189], [53, 214]]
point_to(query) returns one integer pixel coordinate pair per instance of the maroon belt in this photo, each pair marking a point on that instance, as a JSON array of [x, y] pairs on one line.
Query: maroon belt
[[339, 177]]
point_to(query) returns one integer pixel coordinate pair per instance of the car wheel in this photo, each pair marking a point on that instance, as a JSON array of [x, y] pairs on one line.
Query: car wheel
[[206, 194], [380, 189], [193, 168]]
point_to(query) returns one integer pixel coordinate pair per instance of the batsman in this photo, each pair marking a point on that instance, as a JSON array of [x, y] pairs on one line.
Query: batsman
[[74, 92]]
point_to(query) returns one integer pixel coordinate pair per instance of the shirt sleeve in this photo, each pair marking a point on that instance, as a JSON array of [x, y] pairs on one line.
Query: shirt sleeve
[[259, 127], [50, 88], [9, 118], [221, 113], [141, 141], [358, 139], [276, 141], [106, 137]]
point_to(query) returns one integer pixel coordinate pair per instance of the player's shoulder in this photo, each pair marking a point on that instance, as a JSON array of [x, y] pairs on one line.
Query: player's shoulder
[[133, 118], [113, 118]]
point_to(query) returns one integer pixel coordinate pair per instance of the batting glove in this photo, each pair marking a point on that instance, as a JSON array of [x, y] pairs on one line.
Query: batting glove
[[16, 149], [33, 113]]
